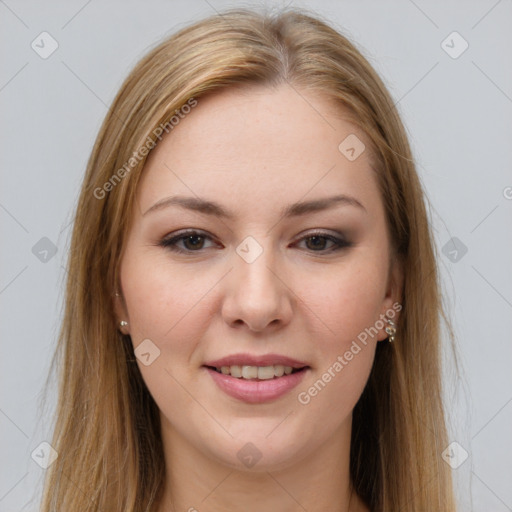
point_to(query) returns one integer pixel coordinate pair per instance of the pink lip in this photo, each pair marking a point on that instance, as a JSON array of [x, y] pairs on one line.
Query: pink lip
[[250, 360], [256, 391]]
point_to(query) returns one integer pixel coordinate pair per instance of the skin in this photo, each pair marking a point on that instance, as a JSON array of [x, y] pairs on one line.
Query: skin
[[255, 150]]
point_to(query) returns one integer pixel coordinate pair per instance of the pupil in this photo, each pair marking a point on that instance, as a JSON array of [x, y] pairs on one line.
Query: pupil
[[193, 237], [317, 239]]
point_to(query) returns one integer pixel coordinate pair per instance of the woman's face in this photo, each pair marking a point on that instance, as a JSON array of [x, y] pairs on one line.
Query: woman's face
[[265, 282]]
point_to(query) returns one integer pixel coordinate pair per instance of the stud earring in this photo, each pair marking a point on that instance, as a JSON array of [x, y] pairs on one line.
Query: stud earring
[[390, 329], [122, 323]]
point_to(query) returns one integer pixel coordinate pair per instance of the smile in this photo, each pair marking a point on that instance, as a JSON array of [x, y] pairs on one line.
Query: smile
[[256, 372], [256, 384]]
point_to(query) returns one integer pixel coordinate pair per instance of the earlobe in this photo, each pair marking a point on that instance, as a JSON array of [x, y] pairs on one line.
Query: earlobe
[[123, 327], [393, 301], [395, 282], [121, 314]]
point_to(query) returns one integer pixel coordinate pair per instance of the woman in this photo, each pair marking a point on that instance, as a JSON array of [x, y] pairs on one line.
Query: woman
[[252, 309]]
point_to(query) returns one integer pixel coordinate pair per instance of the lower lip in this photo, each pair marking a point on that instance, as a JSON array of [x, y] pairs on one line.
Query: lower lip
[[256, 391]]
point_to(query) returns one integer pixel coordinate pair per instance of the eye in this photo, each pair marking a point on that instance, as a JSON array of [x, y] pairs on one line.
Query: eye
[[319, 239], [193, 241]]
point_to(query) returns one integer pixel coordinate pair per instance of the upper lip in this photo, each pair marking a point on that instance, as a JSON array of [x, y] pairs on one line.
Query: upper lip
[[252, 360]]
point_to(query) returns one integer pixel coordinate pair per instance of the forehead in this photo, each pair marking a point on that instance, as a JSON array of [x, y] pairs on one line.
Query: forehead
[[259, 146]]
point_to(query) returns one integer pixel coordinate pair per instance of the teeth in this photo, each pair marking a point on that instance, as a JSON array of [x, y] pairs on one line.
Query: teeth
[[234, 371], [278, 370], [256, 372], [265, 372], [250, 372]]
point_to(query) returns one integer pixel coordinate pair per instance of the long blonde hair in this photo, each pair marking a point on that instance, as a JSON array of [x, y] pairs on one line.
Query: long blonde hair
[[107, 430]]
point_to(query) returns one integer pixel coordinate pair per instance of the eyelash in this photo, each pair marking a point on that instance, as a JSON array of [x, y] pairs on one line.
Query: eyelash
[[171, 243]]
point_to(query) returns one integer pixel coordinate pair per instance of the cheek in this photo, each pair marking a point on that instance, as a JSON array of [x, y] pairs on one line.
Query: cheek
[[164, 304], [170, 309], [346, 302], [345, 309]]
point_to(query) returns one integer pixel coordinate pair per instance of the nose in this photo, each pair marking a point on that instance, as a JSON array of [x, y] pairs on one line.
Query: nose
[[257, 294]]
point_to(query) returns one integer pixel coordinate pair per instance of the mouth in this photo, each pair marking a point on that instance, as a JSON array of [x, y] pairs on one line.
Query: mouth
[[256, 384], [257, 373]]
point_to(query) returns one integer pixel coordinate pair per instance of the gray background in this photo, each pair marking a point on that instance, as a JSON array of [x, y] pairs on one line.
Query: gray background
[[456, 110]]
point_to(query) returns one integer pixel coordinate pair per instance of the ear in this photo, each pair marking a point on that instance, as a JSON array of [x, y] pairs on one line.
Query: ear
[[121, 312], [392, 302]]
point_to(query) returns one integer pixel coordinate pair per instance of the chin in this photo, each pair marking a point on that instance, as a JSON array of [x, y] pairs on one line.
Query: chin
[[256, 450]]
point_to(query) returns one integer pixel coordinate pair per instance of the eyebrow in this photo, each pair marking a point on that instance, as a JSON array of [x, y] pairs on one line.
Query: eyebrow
[[294, 210]]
